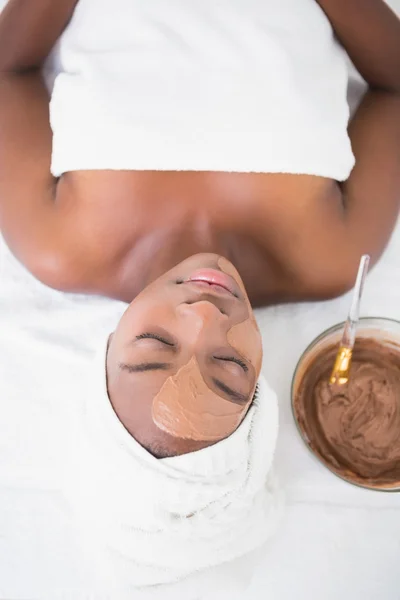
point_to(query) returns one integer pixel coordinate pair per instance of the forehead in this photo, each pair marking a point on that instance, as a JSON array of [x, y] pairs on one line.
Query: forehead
[[187, 408]]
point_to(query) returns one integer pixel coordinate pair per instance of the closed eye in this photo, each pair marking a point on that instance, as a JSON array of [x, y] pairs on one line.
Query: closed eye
[[234, 360], [154, 336]]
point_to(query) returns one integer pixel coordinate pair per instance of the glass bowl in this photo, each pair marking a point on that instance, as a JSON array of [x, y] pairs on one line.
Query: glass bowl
[[385, 331]]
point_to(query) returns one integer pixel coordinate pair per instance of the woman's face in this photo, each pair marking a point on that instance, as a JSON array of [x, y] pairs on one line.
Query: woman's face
[[183, 363]]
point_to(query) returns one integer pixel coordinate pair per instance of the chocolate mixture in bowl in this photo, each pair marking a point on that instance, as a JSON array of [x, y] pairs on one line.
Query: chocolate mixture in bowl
[[354, 430]]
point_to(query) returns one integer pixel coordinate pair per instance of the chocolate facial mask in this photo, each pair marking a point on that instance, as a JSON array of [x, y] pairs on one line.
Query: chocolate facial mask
[[187, 408], [356, 431]]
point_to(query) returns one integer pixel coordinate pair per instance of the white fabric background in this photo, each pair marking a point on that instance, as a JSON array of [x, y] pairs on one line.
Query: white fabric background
[[337, 541]]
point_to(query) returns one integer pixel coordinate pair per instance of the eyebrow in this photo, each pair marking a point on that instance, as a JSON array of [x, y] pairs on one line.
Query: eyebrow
[[234, 395], [144, 367]]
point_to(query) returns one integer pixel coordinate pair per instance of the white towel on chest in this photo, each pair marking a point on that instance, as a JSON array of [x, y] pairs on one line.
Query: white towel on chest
[[158, 523], [220, 85]]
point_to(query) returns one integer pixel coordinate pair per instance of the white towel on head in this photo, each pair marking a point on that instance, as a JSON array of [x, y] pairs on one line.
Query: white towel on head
[[215, 85], [158, 522]]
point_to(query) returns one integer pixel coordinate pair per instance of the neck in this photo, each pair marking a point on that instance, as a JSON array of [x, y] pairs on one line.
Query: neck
[[153, 255], [156, 252]]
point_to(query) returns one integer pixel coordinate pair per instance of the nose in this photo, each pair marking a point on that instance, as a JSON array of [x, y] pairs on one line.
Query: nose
[[201, 316]]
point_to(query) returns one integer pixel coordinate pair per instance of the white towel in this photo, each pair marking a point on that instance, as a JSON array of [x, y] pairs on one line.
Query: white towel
[[158, 522], [220, 85]]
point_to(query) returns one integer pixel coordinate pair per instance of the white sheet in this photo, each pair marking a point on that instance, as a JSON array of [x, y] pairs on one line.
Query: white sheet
[[233, 85], [337, 541]]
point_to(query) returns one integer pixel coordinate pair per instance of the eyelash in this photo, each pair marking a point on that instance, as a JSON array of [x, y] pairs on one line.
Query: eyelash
[[235, 360], [153, 336]]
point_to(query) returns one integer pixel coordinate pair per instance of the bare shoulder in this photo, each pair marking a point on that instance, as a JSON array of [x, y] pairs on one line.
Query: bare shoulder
[[298, 228], [102, 223], [320, 238]]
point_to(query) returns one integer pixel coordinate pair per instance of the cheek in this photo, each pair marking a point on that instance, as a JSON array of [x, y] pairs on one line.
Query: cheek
[[246, 339], [229, 269], [145, 312]]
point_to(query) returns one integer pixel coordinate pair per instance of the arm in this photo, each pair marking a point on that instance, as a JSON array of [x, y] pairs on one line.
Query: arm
[[30, 220], [364, 220], [370, 33], [328, 237], [28, 31], [359, 216]]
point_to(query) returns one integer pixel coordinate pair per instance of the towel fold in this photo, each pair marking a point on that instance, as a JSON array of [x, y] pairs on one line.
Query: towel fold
[[158, 522], [244, 85]]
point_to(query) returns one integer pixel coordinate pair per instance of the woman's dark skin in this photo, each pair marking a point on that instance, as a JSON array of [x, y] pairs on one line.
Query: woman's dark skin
[[292, 237]]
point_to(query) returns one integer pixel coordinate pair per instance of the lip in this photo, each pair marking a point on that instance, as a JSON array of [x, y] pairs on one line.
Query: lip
[[213, 279]]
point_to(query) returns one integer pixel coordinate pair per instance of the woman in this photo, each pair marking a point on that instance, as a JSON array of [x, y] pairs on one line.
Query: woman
[[293, 235]]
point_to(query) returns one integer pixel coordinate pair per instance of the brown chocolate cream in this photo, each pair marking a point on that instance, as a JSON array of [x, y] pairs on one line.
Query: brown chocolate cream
[[355, 430]]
